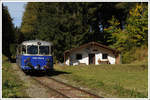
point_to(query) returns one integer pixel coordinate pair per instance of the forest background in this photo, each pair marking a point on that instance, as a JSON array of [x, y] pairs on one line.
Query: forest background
[[122, 26]]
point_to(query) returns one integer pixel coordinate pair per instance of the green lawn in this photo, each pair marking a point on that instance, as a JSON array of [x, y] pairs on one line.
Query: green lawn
[[12, 86], [117, 80]]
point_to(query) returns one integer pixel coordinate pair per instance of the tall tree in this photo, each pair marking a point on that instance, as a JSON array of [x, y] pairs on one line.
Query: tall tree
[[135, 32], [7, 32], [137, 25], [19, 36]]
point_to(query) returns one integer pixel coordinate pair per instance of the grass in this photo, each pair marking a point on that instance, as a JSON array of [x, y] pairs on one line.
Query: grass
[[12, 87], [124, 80]]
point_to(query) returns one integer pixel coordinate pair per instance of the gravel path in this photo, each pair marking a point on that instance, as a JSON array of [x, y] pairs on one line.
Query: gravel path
[[34, 90]]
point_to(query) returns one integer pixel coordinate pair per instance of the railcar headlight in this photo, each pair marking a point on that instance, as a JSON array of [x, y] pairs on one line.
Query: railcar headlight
[[36, 67], [42, 68]]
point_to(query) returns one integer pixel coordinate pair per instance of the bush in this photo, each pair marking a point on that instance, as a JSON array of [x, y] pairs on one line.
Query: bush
[[136, 55]]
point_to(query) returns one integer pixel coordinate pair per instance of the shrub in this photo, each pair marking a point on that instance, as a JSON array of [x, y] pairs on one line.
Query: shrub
[[136, 55]]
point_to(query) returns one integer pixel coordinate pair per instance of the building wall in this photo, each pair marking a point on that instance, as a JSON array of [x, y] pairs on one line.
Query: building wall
[[111, 58], [67, 62], [85, 59], [98, 56]]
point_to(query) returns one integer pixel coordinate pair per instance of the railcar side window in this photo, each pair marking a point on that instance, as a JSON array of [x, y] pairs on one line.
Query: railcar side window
[[32, 49], [23, 49], [44, 50]]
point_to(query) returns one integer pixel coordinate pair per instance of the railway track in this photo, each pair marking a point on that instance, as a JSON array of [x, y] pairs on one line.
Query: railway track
[[63, 89], [59, 94]]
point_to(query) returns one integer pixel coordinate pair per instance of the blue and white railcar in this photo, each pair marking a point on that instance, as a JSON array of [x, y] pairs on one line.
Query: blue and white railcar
[[35, 55]]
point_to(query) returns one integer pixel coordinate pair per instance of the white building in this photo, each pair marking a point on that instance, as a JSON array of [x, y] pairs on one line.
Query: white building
[[91, 53]]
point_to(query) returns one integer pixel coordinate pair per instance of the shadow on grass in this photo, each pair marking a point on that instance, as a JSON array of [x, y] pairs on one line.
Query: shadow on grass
[[47, 73]]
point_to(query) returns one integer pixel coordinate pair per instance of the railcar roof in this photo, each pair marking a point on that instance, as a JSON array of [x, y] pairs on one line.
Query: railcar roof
[[35, 42]]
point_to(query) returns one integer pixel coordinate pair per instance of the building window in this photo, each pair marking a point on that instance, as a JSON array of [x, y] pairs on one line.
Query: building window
[[79, 56], [104, 56], [95, 50]]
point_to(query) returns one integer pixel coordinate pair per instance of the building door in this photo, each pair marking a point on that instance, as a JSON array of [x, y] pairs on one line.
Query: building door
[[91, 58]]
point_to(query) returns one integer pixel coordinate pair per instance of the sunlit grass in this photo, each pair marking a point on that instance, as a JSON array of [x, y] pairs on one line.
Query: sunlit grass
[[129, 80]]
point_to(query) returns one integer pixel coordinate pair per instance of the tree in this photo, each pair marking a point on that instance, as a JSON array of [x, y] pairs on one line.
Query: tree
[[135, 32], [68, 25], [137, 25], [19, 36], [30, 23], [7, 32], [117, 38]]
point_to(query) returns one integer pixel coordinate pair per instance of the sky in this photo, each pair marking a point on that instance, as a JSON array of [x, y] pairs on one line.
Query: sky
[[16, 10]]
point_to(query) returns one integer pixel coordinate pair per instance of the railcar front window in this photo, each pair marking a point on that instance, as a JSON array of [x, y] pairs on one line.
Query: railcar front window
[[44, 50], [32, 49]]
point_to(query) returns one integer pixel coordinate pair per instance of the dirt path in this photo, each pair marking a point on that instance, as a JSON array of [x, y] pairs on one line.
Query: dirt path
[[34, 90]]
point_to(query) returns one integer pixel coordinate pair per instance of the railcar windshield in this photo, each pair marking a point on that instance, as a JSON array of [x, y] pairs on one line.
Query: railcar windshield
[[44, 50], [32, 49]]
